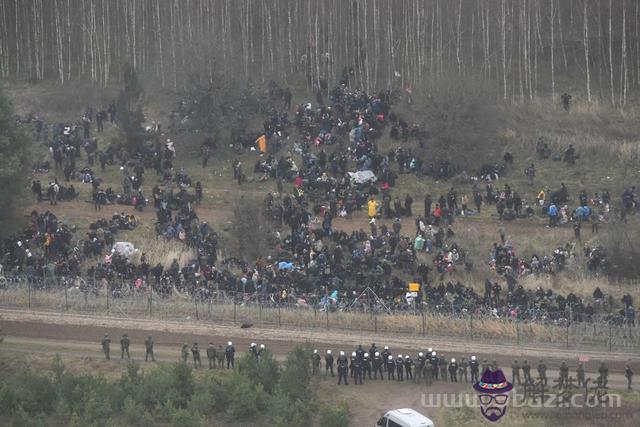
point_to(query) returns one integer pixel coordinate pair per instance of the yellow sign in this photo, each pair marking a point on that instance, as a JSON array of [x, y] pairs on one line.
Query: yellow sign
[[414, 287]]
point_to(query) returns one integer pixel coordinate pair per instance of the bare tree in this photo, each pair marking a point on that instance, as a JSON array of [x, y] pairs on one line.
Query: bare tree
[[586, 51]]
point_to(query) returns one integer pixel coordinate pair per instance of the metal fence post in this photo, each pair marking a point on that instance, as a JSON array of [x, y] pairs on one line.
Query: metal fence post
[[375, 323], [195, 302], [279, 319], [470, 325], [518, 332], [568, 326], [29, 286], [424, 325], [107, 287], [66, 297], [326, 310], [234, 310], [610, 336], [150, 301]]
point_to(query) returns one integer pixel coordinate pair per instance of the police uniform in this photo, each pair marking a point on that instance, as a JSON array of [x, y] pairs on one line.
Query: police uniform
[[580, 375], [343, 368], [400, 368], [366, 366], [564, 374], [515, 372], [315, 362], [357, 369], [378, 363], [124, 346], [148, 345], [391, 368], [420, 361], [197, 363], [408, 363], [106, 344], [230, 353], [474, 369], [453, 371], [185, 352], [211, 355], [542, 372], [526, 371], [443, 368], [434, 366], [328, 363], [462, 370]]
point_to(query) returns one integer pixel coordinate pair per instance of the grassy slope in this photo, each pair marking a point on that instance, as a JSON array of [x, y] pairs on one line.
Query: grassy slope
[[606, 140]]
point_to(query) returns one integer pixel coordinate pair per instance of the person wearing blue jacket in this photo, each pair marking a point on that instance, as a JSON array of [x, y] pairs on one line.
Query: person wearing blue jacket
[[553, 215]]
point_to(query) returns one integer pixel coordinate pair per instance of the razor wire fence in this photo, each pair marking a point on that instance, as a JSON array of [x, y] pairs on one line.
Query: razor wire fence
[[602, 332]]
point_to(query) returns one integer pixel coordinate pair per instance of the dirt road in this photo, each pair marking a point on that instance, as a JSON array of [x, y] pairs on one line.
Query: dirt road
[[44, 331], [34, 337]]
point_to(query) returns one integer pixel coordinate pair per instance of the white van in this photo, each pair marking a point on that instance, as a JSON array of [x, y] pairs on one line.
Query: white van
[[406, 417]]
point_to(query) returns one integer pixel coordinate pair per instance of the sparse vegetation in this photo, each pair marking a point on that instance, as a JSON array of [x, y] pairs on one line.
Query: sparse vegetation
[[169, 393], [129, 109], [15, 149], [462, 123]]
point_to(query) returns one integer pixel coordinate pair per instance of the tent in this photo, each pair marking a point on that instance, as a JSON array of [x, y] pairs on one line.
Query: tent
[[362, 177], [125, 248]]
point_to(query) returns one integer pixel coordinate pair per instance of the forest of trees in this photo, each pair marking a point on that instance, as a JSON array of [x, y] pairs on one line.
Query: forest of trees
[[525, 48]]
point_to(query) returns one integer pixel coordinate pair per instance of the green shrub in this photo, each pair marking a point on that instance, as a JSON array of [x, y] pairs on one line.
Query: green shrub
[[219, 395], [170, 392], [296, 375], [186, 418], [96, 409], [58, 368], [154, 388], [133, 413], [264, 371], [182, 377], [285, 412], [146, 420], [85, 394], [335, 416], [32, 393], [126, 386], [246, 400], [26, 420], [166, 384], [201, 401]]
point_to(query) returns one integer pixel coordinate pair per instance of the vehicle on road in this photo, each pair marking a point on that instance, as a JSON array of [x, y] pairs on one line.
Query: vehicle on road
[[405, 417]]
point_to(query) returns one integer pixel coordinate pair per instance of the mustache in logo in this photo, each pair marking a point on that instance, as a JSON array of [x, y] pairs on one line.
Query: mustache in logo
[[493, 413]]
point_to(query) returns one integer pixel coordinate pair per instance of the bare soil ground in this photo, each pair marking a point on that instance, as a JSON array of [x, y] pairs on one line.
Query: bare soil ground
[[84, 329], [32, 338]]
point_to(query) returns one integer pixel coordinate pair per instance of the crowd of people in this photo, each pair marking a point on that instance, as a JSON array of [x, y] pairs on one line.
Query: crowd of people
[[313, 264]]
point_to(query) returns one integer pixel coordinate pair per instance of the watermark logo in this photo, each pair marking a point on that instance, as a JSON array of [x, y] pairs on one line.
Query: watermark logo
[[493, 392]]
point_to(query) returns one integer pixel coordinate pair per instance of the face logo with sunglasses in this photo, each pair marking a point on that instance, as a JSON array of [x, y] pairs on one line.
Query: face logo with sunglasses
[[493, 391]]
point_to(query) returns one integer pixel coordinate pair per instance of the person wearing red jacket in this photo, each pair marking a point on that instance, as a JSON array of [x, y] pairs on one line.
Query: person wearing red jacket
[[437, 213]]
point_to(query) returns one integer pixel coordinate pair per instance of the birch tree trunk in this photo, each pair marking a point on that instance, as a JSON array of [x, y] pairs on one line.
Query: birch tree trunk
[[613, 98], [552, 52], [586, 51], [159, 37], [503, 24], [623, 48]]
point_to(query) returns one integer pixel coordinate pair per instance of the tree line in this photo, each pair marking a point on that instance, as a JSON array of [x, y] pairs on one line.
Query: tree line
[[525, 48], [264, 392]]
